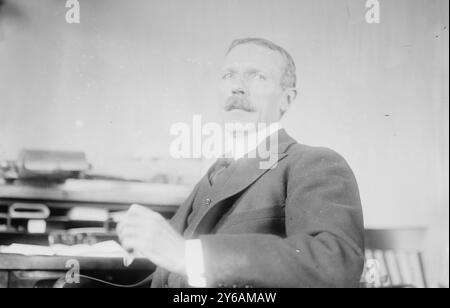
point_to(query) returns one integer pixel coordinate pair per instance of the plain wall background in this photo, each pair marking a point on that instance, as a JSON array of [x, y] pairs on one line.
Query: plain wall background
[[113, 84]]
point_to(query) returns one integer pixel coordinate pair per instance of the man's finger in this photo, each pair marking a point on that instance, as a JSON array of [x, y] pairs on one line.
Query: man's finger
[[120, 227], [141, 211], [138, 209], [130, 233], [128, 259], [125, 225], [130, 245], [134, 220]]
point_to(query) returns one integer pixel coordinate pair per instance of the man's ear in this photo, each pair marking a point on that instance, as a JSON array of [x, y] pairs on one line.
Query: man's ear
[[288, 99]]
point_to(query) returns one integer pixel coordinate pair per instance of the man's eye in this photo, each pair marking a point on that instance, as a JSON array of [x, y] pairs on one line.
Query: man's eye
[[259, 76], [227, 76]]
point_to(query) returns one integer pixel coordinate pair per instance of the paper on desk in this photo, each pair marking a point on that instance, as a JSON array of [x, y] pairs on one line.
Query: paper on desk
[[27, 250], [108, 249]]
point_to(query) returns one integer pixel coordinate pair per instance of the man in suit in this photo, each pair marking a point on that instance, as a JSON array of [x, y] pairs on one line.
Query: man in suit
[[295, 223]]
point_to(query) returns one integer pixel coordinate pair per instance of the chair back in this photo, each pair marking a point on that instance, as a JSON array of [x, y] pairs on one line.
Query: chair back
[[394, 258]]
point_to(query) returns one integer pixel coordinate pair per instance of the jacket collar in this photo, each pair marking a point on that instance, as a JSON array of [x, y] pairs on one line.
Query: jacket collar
[[246, 171]]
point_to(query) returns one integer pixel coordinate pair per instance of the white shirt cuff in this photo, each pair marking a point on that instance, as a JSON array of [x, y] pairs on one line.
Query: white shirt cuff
[[195, 265]]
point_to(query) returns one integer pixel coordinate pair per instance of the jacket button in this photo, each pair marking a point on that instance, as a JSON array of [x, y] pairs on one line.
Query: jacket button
[[208, 202]]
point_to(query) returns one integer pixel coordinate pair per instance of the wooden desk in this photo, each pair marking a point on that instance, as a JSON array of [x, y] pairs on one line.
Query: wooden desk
[[108, 195], [18, 271], [39, 271], [161, 197]]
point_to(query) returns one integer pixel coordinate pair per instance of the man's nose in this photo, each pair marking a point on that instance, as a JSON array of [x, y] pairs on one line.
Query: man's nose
[[239, 88], [238, 91]]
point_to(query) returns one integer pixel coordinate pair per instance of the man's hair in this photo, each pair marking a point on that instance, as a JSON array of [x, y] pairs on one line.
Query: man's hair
[[289, 78]]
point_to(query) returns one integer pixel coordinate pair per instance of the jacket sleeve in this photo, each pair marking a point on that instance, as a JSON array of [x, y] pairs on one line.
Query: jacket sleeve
[[324, 241]]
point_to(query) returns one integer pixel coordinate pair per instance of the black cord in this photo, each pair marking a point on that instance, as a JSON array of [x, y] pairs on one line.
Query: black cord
[[136, 285]]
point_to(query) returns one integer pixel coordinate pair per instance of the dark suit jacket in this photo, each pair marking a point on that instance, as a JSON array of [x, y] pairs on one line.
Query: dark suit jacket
[[299, 224]]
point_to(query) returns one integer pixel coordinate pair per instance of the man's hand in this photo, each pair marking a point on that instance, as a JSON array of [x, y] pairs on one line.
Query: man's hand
[[146, 232]]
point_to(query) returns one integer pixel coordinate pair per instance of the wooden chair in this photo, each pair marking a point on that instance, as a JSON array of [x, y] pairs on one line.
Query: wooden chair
[[394, 258]]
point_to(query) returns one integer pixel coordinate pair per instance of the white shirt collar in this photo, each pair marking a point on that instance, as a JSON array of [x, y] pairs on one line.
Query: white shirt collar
[[252, 141]]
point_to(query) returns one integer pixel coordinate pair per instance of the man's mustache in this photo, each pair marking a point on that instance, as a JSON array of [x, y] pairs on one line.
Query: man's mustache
[[236, 102]]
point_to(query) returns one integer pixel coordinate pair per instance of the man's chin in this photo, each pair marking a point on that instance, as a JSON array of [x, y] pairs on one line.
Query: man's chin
[[240, 121], [240, 116]]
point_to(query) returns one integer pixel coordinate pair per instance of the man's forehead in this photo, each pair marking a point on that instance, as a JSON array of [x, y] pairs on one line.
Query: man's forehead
[[254, 55]]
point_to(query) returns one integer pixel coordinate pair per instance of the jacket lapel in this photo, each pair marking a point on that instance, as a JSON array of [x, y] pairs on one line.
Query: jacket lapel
[[245, 173], [179, 220]]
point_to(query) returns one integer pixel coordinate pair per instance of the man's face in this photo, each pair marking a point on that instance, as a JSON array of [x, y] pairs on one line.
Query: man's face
[[250, 86]]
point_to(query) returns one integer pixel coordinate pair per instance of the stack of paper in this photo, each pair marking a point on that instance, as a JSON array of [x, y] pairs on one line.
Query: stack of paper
[[106, 249]]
